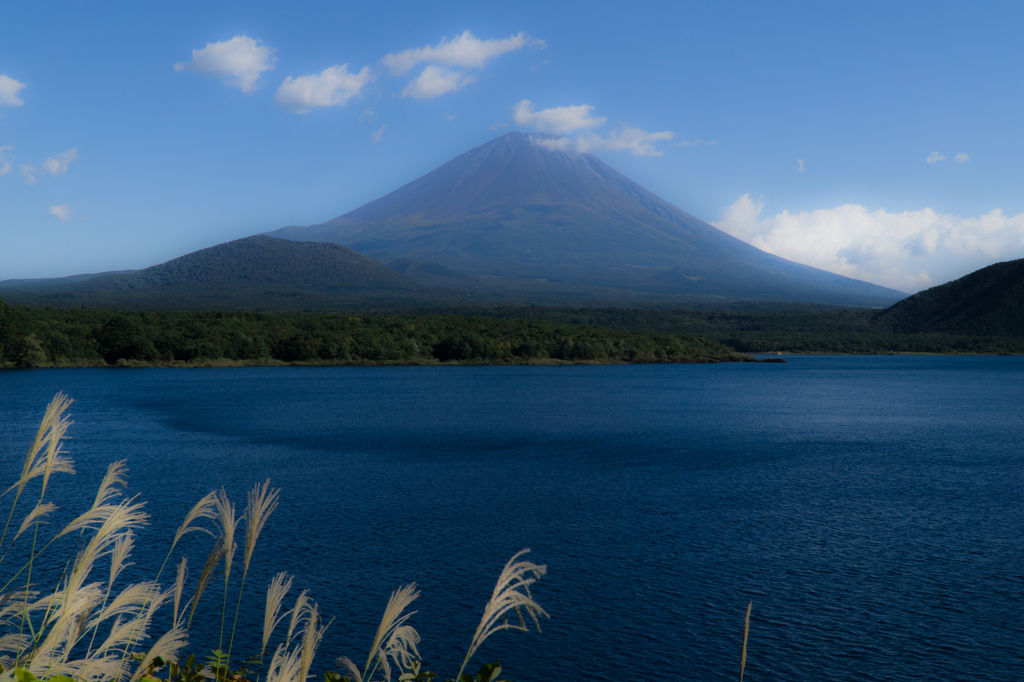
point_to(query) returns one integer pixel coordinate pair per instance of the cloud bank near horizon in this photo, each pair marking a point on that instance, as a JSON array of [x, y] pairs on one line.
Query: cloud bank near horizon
[[909, 250]]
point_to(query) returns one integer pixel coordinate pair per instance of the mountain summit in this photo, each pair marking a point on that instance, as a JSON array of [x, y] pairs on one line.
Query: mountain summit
[[517, 214]]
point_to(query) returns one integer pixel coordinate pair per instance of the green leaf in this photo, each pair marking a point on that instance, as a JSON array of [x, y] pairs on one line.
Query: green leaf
[[489, 672]]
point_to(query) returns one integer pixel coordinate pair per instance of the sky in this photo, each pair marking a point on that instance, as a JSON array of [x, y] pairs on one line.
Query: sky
[[882, 141]]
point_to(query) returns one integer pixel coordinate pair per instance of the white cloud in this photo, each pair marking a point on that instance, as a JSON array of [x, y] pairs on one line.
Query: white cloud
[[55, 165], [497, 125], [376, 135], [240, 61], [696, 142], [5, 165], [800, 165], [436, 81], [450, 117], [633, 140], [910, 250], [62, 212], [556, 119], [58, 165], [934, 158], [332, 87], [554, 144], [636, 141], [963, 158], [367, 113], [9, 89], [464, 51]]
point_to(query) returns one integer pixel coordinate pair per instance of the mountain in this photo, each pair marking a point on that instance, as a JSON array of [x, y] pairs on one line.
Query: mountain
[[987, 302], [53, 283], [255, 272], [515, 216]]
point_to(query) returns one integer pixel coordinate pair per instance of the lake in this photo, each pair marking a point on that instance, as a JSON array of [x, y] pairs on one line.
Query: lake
[[871, 507]]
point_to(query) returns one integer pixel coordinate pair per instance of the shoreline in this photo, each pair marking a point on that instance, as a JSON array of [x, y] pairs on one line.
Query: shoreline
[[533, 362]]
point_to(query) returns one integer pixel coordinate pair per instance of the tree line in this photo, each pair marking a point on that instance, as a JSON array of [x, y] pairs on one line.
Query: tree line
[[39, 337]]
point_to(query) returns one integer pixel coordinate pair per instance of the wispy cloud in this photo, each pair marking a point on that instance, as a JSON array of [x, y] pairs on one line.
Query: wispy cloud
[[696, 142], [565, 121], [9, 89], [448, 62], [909, 250], [55, 165], [539, 65], [332, 87], [636, 141], [58, 165], [239, 61], [465, 51], [62, 212], [435, 81], [450, 117], [367, 114], [799, 165], [556, 119], [376, 135], [963, 158], [5, 163], [934, 158], [497, 125]]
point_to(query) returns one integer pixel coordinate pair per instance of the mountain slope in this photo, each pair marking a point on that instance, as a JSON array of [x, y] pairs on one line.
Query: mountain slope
[[255, 272], [987, 302], [260, 261], [514, 214]]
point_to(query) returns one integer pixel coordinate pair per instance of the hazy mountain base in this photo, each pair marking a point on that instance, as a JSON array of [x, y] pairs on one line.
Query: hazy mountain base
[[32, 337], [505, 294]]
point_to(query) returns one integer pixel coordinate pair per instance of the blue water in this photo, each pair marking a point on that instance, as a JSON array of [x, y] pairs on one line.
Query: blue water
[[871, 507]]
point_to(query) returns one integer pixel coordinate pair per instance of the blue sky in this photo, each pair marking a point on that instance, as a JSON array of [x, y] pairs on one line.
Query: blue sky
[[828, 120]]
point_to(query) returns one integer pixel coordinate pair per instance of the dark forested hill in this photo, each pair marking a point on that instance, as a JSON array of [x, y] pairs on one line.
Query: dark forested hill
[[987, 302], [261, 261], [255, 272]]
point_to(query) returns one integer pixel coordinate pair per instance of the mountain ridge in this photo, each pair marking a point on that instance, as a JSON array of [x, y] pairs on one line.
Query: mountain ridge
[[253, 272], [986, 302]]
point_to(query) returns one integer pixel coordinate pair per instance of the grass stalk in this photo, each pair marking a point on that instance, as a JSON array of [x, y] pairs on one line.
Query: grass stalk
[[746, 631]]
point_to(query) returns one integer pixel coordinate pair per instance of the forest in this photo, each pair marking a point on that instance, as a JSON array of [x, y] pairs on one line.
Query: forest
[[47, 337]]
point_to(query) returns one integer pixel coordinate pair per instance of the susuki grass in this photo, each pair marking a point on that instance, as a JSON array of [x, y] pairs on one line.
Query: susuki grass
[[88, 626]]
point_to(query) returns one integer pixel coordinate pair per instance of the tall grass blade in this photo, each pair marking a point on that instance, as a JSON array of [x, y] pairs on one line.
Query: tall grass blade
[[272, 616], [746, 631], [511, 593], [394, 639], [37, 514], [203, 509]]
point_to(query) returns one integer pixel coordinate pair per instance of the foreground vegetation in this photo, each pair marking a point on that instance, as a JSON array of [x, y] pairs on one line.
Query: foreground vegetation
[[89, 626], [42, 337]]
